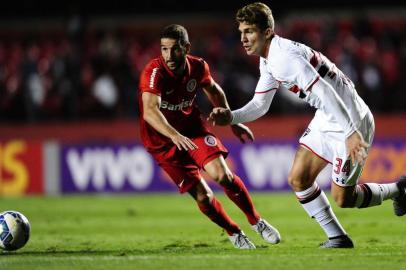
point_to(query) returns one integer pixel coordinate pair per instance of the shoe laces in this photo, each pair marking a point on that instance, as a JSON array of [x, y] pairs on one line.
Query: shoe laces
[[262, 227], [242, 240]]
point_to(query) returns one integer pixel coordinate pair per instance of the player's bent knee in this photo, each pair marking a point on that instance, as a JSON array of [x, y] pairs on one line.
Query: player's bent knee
[[204, 197], [224, 178], [292, 181], [297, 183]]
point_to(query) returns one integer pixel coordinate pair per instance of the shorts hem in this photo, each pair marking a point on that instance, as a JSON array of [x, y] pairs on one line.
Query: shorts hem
[[311, 150], [213, 156], [343, 185]]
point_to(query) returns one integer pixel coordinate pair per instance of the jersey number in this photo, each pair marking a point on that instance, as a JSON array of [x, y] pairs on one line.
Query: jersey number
[[345, 169]]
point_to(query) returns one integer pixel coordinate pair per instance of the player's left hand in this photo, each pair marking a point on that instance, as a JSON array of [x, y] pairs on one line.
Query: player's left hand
[[242, 132], [357, 148]]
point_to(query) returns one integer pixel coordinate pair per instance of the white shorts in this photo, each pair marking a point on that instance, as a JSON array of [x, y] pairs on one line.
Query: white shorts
[[329, 145]]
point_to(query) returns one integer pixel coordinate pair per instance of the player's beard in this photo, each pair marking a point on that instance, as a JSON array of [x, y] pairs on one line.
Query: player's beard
[[176, 65], [172, 65]]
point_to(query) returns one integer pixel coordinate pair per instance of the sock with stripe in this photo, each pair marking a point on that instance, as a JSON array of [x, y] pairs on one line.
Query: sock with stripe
[[317, 206], [215, 211], [371, 194]]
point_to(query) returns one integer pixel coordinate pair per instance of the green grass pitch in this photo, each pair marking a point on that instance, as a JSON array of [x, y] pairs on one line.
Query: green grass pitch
[[167, 231]]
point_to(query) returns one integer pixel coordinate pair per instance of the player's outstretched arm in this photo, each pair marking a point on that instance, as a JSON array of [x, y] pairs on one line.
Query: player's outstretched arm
[[221, 114], [216, 95], [154, 117], [253, 110]]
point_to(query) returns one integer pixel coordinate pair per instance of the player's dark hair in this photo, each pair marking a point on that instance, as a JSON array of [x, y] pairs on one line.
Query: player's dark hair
[[177, 32], [256, 13]]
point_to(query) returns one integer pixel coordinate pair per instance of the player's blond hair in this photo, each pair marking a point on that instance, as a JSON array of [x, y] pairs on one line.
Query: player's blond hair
[[256, 13]]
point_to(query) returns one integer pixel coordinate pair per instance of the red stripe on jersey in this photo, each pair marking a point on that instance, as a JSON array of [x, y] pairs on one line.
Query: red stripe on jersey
[[266, 91], [311, 85], [311, 150]]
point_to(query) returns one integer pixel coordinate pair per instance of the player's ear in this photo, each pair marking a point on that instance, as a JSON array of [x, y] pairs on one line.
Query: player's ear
[[187, 47], [268, 33]]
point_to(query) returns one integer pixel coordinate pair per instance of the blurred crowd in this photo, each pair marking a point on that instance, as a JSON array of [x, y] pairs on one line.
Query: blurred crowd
[[86, 72]]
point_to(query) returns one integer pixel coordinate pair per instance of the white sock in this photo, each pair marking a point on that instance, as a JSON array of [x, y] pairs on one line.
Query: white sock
[[317, 206], [371, 194]]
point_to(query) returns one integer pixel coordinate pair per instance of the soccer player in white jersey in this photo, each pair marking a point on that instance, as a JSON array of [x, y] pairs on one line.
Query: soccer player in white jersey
[[340, 133]]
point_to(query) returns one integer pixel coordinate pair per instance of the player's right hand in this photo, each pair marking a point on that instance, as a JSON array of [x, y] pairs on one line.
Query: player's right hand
[[357, 148], [220, 116], [183, 142]]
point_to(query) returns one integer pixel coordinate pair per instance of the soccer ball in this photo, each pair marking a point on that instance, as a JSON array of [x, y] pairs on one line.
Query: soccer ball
[[14, 230]]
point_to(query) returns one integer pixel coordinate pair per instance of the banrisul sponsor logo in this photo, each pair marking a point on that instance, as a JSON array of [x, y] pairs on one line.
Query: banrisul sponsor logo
[[176, 107]]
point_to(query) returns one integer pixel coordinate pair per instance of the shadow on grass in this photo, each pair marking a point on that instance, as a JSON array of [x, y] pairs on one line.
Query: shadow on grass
[[60, 252], [173, 248]]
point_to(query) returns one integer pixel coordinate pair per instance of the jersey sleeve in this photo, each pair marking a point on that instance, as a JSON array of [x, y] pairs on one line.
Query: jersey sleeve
[[151, 80], [298, 71], [260, 103], [206, 76]]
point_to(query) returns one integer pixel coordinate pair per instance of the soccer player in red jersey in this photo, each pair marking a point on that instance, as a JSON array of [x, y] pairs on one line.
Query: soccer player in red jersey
[[175, 134]]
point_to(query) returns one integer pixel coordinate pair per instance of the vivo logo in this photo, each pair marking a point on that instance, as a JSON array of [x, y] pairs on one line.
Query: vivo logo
[[269, 165], [97, 167]]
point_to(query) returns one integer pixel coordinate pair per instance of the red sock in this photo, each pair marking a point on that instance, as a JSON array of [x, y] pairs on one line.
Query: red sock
[[238, 193], [216, 213]]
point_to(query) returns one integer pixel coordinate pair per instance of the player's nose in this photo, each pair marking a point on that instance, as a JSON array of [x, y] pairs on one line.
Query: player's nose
[[243, 37]]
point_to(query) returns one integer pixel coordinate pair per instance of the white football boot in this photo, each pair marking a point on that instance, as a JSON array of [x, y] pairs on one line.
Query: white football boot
[[269, 233], [241, 241]]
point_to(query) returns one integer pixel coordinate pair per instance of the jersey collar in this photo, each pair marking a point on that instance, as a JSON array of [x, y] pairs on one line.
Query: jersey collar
[[170, 72]]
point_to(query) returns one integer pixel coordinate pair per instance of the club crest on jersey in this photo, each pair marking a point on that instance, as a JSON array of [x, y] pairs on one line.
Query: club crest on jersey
[[191, 85], [210, 140]]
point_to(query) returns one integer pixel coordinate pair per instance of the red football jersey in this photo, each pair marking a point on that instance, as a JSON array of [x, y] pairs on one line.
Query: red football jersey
[[178, 95]]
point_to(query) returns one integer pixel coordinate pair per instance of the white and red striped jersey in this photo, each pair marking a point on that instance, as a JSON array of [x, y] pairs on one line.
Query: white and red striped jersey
[[297, 67]]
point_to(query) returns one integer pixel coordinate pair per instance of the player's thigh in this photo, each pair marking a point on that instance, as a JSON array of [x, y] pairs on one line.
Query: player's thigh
[[185, 176], [217, 168], [344, 175], [179, 167], [306, 166], [209, 146], [311, 157], [344, 172]]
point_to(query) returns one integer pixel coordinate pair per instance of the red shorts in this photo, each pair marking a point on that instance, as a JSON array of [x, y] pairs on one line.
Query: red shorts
[[184, 166]]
